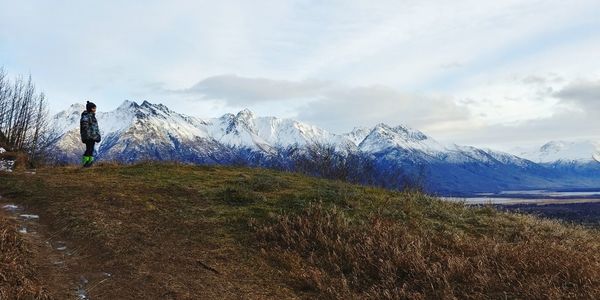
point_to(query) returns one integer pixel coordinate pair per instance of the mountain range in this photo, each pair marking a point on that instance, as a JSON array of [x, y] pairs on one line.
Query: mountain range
[[135, 132]]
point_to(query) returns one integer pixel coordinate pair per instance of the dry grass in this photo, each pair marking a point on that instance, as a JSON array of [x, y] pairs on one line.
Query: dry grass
[[181, 232], [18, 277], [335, 256], [156, 228]]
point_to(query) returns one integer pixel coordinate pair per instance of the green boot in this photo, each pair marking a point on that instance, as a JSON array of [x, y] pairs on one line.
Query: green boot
[[87, 161], [90, 161]]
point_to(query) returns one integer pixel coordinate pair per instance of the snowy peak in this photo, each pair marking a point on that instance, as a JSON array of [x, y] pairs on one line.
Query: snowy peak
[[580, 151], [237, 124], [410, 133], [73, 109], [245, 114], [245, 118], [384, 136], [129, 117], [552, 147], [127, 105], [404, 132], [63, 120], [76, 107], [146, 108], [156, 108], [246, 129], [358, 134]]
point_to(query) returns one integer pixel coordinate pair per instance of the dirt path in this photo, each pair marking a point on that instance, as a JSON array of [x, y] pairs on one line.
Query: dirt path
[[70, 271], [59, 263], [143, 235]]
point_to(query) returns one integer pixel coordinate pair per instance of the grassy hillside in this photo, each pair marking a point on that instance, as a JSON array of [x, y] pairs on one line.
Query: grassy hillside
[[183, 232]]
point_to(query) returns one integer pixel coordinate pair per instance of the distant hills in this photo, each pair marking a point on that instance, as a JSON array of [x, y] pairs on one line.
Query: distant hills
[[579, 151]]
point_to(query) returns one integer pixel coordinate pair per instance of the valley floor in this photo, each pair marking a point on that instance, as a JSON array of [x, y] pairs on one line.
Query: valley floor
[[585, 213], [160, 231]]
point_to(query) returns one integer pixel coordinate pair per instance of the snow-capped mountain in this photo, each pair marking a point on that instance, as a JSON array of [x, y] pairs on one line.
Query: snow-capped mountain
[[152, 131], [150, 126], [358, 134], [580, 151], [134, 132], [414, 143], [448, 168], [384, 137]]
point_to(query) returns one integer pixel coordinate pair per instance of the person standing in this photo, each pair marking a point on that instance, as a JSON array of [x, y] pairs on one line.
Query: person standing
[[90, 133]]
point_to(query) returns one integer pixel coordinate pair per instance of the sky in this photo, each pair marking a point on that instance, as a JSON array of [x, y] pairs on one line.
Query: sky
[[498, 74]]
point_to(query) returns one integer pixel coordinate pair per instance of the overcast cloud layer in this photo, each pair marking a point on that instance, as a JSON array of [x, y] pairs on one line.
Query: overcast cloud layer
[[495, 73]]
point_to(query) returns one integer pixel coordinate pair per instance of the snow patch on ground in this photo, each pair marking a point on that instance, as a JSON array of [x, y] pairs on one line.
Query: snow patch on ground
[[6, 165], [60, 245], [10, 207], [29, 217], [81, 289]]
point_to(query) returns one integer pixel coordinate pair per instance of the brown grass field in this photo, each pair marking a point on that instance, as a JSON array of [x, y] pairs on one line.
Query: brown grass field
[[168, 231]]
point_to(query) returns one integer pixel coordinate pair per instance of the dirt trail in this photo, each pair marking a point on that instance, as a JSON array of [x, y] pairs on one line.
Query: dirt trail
[[61, 264], [142, 235]]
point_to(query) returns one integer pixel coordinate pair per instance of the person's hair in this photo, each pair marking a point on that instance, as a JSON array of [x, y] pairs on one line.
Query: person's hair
[[89, 105]]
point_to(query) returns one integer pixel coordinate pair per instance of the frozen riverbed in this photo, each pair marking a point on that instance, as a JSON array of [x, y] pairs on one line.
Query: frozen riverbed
[[539, 197]]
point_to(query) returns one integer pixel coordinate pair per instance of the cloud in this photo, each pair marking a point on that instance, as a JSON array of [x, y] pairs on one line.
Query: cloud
[[236, 90], [339, 108], [352, 106], [543, 80], [334, 106], [571, 112], [452, 65], [337, 64], [525, 111], [564, 125], [531, 110], [585, 94]]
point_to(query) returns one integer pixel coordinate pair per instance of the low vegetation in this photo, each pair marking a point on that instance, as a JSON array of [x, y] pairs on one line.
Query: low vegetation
[[380, 257], [18, 276], [182, 232]]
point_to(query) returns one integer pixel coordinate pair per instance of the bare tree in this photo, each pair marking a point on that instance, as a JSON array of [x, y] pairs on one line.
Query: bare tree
[[24, 125], [4, 96]]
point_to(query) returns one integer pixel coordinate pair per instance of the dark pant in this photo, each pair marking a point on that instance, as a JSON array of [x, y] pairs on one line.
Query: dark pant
[[89, 148]]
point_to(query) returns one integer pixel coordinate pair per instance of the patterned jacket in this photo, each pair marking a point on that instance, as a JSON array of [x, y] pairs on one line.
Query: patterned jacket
[[89, 127]]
